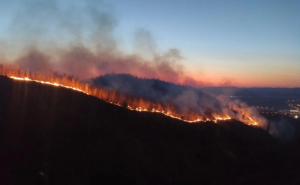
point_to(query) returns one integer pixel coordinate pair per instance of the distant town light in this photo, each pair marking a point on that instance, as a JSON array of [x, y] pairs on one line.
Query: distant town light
[[296, 117]]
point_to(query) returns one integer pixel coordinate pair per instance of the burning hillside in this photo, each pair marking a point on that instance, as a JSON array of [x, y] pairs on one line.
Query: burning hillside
[[186, 113], [88, 53], [53, 135]]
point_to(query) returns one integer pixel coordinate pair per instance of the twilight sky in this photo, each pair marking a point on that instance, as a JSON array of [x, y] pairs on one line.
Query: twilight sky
[[234, 42]]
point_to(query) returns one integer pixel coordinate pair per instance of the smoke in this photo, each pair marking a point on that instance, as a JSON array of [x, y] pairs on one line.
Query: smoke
[[183, 98], [144, 43], [282, 129], [81, 40], [242, 112], [36, 61]]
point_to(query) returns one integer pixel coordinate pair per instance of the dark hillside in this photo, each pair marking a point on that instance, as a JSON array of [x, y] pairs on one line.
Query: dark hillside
[[155, 89], [51, 135], [152, 89]]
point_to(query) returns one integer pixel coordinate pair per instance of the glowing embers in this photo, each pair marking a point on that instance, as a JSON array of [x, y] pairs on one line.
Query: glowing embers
[[18, 78], [140, 109], [48, 83], [170, 114], [253, 122]]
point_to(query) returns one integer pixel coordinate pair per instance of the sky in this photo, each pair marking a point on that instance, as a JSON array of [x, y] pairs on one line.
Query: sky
[[235, 42]]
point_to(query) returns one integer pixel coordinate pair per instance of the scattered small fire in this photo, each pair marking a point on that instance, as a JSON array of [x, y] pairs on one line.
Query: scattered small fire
[[130, 102]]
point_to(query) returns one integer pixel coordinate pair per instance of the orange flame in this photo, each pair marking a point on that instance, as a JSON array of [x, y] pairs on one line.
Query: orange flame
[[127, 101]]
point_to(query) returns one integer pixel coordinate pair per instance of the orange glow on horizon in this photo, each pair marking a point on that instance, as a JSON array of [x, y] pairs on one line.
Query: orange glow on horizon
[[217, 77], [246, 82]]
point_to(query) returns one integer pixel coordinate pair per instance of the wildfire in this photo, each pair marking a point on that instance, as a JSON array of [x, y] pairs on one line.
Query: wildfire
[[253, 122], [49, 83], [127, 101]]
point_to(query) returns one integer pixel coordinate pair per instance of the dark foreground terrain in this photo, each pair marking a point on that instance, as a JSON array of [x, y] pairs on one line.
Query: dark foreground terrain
[[51, 135]]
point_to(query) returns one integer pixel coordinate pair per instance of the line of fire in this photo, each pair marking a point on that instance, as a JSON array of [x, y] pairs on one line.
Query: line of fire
[[124, 100]]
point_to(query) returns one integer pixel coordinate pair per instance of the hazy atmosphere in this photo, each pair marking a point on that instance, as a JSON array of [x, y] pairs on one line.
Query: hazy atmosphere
[[199, 43]]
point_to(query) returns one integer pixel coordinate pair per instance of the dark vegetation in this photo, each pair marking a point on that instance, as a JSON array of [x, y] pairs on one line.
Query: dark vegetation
[[51, 135], [155, 89]]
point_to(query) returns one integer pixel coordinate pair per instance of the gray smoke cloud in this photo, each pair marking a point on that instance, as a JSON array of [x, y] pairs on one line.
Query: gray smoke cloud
[[144, 43], [80, 38]]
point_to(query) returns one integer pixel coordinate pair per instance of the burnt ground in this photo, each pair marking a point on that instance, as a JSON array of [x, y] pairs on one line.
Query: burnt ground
[[51, 135]]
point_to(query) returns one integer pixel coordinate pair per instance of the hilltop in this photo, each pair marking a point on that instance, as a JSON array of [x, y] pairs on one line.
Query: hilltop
[[156, 89], [53, 135]]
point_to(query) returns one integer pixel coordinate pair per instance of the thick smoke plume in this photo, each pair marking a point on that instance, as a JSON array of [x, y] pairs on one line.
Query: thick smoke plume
[[80, 40]]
